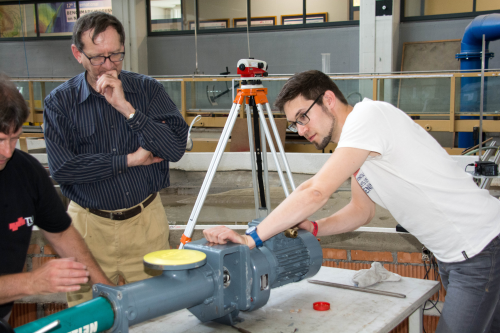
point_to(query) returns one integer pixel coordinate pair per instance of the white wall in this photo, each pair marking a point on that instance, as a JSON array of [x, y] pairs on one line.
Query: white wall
[[158, 13], [338, 10], [222, 9]]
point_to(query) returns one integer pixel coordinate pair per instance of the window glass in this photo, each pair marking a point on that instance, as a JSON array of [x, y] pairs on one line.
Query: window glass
[[221, 14], [56, 18], [437, 7], [277, 12], [171, 15], [482, 5], [17, 21], [94, 6], [319, 11], [356, 4]]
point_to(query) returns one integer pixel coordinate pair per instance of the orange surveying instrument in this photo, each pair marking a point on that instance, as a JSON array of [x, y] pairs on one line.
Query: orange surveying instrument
[[252, 94]]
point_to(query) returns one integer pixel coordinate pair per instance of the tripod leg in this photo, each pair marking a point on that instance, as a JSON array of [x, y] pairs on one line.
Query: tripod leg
[[259, 156], [280, 146], [266, 166], [252, 160], [271, 146], [221, 146]]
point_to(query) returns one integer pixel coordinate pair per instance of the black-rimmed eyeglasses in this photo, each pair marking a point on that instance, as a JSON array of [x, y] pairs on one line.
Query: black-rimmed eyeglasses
[[302, 119], [99, 60]]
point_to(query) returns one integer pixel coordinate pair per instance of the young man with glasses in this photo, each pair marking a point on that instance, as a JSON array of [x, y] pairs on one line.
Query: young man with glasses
[[28, 198], [110, 135], [395, 163]]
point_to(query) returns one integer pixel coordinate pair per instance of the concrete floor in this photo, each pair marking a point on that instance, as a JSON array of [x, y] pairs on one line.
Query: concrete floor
[[231, 198], [230, 201]]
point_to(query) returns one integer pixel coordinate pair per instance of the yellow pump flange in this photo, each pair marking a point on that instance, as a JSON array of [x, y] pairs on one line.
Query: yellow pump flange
[[175, 259]]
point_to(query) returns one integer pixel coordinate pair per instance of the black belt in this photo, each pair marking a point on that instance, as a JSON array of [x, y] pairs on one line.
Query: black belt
[[125, 214]]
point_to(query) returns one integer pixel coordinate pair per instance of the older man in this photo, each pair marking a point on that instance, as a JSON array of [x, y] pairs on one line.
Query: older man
[[110, 136], [28, 198]]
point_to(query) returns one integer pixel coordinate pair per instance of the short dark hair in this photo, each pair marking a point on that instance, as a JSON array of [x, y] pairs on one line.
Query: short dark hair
[[13, 108], [309, 84], [99, 21]]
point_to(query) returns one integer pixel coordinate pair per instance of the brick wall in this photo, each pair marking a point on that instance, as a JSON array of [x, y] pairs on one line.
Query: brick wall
[[25, 312]]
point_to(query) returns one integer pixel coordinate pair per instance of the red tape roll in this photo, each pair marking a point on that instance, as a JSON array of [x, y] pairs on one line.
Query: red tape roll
[[321, 306]]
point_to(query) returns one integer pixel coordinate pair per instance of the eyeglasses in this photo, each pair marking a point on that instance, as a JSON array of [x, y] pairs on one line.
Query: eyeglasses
[[99, 60], [302, 119]]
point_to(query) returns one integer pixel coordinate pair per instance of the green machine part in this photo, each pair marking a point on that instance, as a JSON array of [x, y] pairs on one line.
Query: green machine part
[[93, 316]]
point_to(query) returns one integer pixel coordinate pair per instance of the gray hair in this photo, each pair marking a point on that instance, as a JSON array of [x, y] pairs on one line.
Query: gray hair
[[99, 21]]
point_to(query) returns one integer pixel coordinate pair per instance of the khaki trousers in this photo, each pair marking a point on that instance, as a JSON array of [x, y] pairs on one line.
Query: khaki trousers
[[119, 246]]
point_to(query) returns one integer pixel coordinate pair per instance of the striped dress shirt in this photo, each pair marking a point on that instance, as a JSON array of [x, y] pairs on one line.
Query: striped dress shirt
[[88, 141]]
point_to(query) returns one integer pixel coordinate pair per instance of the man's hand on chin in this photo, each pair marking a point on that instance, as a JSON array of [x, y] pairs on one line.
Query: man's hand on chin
[[110, 86]]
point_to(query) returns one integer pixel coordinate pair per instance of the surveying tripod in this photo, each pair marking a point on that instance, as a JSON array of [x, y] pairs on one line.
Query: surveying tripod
[[252, 94]]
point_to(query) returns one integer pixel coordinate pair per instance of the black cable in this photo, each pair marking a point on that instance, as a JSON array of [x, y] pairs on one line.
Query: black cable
[[433, 266]]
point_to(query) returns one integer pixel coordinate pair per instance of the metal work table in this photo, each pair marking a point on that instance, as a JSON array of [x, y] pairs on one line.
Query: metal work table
[[290, 309]]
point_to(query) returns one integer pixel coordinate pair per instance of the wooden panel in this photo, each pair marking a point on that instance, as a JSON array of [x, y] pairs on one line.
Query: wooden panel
[[466, 125], [183, 100], [435, 125], [51, 308], [441, 7], [452, 103], [22, 313], [208, 121], [32, 135], [31, 102], [23, 144], [430, 325], [239, 135], [207, 145], [38, 117], [307, 148], [454, 151], [461, 125]]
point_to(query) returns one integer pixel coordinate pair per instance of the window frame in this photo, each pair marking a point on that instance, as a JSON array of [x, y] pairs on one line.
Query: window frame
[[36, 3], [452, 16], [250, 28]]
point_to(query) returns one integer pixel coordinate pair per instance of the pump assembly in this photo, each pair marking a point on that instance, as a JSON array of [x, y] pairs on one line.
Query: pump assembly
[[214, 283]]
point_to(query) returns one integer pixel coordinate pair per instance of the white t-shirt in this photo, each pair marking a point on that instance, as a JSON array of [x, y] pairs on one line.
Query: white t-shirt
[[419, 183]]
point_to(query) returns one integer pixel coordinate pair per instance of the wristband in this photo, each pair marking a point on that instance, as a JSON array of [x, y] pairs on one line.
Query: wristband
[[315, 225], [252, 232]]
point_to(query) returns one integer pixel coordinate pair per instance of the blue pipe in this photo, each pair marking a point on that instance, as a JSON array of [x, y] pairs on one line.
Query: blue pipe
[[470, 59]]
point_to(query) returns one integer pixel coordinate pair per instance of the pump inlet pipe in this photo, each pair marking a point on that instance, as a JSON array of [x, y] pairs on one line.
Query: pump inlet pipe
[[470, 56]]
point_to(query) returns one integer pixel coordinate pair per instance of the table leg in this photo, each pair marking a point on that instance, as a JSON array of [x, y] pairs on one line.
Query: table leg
[[415, 321], [23, 144]]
